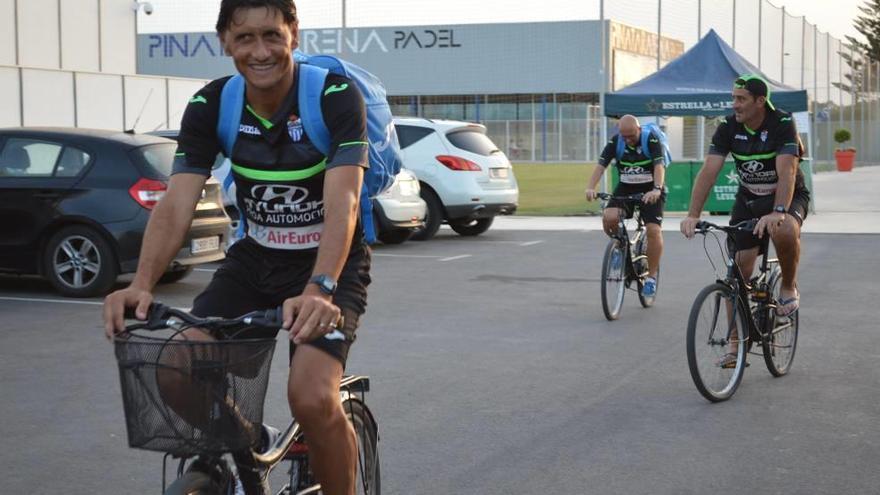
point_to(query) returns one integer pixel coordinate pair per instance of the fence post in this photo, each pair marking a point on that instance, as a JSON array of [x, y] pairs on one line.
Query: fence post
[[543, 127], [533, 128], [760, 29], [507, 136], [734, 25], [828, 86], [782, 49]]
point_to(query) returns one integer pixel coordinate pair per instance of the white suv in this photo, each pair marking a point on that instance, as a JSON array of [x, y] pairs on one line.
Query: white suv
[[465, 179]]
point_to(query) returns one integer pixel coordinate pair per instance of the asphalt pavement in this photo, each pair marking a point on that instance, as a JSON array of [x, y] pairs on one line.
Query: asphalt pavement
[[494, 372]]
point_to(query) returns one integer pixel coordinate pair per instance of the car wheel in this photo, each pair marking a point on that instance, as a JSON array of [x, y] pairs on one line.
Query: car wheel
[[175, 275], [433, 216], [471, 227], [395, 236], [79, 262]]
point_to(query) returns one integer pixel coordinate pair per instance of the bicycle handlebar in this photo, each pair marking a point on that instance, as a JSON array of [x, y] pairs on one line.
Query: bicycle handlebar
[[159, 315], [745, 226], [636, 198]]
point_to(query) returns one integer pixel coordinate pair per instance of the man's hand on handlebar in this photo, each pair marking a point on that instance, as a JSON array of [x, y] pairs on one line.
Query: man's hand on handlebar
[[651, 197], [116, 303], [591, 194], [689, 226], [769, 223], [309, 316]]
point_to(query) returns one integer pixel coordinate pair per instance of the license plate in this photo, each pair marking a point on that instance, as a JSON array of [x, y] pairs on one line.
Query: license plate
[[407, 188], [205, 244], [498, 173]]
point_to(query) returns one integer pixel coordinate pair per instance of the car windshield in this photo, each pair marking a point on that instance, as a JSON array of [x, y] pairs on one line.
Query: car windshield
[[472, 139], [156, 159]]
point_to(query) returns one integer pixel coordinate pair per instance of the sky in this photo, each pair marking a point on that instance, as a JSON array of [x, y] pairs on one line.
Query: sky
[[200, 15]]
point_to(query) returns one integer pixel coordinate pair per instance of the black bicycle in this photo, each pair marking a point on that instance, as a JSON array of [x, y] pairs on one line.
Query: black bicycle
[[626, 261], [731, 315], [221, 412]]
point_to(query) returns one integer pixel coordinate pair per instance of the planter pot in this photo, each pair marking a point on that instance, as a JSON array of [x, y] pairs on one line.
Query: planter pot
[[845, 159]]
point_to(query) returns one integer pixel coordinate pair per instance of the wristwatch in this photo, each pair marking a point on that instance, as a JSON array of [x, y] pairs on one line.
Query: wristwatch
[[779, 209], [658, 188], [325, 283]]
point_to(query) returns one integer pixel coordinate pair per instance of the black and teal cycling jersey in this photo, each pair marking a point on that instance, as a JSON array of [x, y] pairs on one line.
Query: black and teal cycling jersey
[[636, 166], [755, 150], [278, 172]]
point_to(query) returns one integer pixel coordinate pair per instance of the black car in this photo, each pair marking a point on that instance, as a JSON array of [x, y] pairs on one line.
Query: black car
[[74, 204]]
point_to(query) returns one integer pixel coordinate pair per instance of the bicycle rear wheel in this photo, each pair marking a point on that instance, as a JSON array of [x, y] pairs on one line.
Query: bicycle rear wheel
[[716, 321], [781, 342], [613, 279], [367, 433]]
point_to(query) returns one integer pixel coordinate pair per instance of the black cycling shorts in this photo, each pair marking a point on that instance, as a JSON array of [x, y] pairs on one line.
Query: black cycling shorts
[[748, 206], [253, 278], [652, 213]]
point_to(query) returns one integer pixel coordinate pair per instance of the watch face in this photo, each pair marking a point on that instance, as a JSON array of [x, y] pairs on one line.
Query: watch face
[[325, 283]]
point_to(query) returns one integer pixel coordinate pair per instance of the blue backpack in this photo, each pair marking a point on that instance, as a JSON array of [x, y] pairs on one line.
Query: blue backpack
[[649, 129], [384, 149]]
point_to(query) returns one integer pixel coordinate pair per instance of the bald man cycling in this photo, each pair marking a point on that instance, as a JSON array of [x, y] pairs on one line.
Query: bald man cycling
[[641, 171]]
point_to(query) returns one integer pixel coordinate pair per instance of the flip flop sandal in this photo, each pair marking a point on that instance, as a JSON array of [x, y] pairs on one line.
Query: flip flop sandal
[[787, 306], [728, 361]]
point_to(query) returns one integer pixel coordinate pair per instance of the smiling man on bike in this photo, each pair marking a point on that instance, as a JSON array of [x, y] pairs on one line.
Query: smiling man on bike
[[641, 171], [765, 146], [304, 245]]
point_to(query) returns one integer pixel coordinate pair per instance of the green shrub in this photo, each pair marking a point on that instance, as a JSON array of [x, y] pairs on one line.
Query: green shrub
[[842, 136]]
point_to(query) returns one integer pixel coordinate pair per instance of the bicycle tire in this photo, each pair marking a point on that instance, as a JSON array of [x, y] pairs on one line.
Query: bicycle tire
[[780, 344], [612, 295], [715, 383], [195, 483], [367, 480]]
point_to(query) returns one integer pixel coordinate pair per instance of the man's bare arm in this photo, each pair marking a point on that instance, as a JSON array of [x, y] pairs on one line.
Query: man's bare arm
[[168, 225]]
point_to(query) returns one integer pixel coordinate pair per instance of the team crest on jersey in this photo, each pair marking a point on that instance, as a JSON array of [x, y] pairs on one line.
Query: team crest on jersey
[[764, 136], [294, 128]]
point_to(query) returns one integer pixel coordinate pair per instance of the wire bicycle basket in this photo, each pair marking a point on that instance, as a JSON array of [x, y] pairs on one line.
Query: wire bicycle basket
[[189, 397]]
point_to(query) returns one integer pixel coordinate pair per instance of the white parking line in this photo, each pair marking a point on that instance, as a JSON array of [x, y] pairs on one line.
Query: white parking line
[[531, 243], [452, 258], [387, 255], [60, 301]]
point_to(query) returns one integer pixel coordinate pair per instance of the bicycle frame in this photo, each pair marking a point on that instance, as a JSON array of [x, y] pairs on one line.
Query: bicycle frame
[[755, 290], [352, 389], [622, 235], [293, 434]]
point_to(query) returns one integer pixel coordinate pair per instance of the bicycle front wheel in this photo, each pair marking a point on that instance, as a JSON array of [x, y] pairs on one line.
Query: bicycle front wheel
[[716, 328], [367, 433], [613, 279], [780, 342]]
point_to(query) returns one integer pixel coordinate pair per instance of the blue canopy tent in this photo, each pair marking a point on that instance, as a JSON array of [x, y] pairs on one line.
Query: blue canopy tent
[[699, 82]]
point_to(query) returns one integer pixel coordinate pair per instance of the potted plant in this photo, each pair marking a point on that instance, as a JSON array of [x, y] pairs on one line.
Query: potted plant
[[844, 156]]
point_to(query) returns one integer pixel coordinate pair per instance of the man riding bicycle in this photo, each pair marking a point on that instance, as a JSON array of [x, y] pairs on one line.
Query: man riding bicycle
[[641, 171], [304, 246], [766, 149]]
